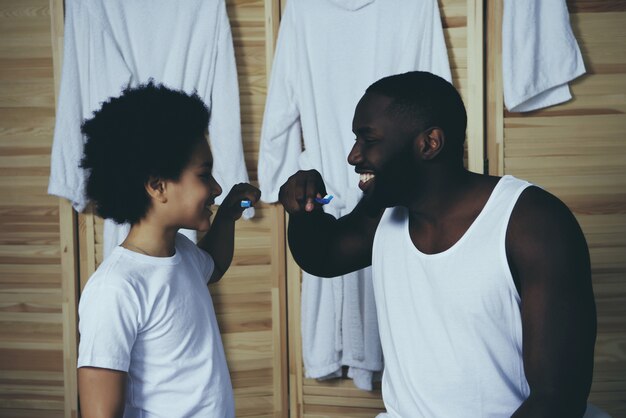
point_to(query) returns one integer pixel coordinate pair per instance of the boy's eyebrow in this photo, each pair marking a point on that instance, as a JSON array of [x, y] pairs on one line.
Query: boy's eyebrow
[[207, 164]]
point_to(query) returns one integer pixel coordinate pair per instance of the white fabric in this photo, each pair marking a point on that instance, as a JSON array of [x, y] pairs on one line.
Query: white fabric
[[540, 55], [595, 412], [450, 323], [153, 318], [114, 234], [319, 73], [109, 44]]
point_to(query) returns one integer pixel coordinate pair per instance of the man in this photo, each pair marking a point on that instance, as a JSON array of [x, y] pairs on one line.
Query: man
[[482, 284]]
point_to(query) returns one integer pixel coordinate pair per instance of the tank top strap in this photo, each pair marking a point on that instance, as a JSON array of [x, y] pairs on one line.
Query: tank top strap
[[498, 209]]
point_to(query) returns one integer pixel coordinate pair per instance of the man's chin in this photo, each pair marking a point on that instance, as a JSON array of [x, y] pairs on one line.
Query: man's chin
[[374, 202]]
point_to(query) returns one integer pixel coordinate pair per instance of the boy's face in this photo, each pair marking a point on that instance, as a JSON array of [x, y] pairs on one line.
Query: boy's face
[[190, 197]]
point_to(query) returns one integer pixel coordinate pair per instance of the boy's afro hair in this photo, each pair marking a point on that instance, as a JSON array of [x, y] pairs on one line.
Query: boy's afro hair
[[148, 131]]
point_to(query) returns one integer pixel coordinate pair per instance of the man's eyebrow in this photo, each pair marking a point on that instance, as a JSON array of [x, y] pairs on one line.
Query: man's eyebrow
[[364, 130], [207, 164]]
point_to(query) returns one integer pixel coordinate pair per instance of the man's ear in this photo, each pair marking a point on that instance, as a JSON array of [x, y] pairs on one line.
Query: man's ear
[[156, 189], [431, 142]]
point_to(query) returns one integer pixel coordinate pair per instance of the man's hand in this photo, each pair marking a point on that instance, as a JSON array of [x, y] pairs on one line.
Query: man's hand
[[299, 192], [231, 205]]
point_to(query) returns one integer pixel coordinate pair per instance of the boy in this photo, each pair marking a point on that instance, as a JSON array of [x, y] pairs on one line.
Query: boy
[[150, 344]]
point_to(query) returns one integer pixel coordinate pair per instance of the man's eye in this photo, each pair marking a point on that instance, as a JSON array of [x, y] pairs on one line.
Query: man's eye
[[365, 139]]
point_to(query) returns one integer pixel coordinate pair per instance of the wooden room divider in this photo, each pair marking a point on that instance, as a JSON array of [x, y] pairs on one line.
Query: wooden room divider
[[47, 252]]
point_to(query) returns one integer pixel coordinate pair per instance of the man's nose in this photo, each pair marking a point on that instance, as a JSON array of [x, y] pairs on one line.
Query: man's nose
[[355, 155]]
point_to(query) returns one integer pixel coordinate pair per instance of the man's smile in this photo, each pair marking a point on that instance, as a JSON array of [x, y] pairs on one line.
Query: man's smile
[[365, 180]]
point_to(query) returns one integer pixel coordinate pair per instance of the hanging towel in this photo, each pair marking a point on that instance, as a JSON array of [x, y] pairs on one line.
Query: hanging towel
[[593, 411], [539, 54], [327, 53], [109, 44]]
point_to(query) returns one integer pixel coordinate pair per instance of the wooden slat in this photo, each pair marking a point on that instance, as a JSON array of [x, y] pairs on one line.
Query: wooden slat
[[576, 151], [475, 89], [31, 269], [68, 243], [596, 6]]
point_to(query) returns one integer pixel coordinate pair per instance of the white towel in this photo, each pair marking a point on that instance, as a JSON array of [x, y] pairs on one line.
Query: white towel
[[595, 412], [539, 54], [328, 52], [110, 44], [591, 412]]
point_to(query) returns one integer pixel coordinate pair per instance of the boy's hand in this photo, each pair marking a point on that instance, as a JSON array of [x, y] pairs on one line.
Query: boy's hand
[[231, 206], [299, 192]]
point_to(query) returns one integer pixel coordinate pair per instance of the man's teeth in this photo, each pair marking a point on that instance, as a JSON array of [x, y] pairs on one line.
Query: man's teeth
[[365, 177]]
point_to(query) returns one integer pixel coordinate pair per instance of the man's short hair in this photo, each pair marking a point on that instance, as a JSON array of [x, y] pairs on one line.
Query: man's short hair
[[148, 131], [423, 100]]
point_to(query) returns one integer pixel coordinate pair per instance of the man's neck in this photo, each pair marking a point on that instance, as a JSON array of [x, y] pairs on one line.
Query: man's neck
[[439, 191]]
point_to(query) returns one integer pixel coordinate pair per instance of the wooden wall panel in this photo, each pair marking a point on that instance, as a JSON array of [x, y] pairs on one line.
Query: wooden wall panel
[[31, 296], [576, 151], [339, 398], [250, 299]]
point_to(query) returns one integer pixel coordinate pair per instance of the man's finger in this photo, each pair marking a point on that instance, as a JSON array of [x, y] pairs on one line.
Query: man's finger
[[311, 193]]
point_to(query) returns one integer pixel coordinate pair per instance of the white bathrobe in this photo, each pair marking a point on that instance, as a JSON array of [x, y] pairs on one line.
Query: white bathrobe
[[328, 52], [540, 55], [112, 43]]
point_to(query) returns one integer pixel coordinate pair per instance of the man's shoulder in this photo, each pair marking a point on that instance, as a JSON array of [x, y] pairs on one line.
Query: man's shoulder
[[535, 201], [540, 221]]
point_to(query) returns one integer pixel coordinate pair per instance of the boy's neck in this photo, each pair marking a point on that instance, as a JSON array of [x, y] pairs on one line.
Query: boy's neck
[[151, 240]]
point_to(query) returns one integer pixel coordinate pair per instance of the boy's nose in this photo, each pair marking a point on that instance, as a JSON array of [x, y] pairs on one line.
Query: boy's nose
[[216, 189]]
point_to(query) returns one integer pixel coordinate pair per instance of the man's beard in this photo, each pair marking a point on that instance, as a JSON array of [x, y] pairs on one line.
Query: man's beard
[[387, 192]]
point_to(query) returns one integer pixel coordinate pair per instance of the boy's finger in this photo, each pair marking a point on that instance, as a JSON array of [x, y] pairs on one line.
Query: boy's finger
[[299, 190], [250, 197]]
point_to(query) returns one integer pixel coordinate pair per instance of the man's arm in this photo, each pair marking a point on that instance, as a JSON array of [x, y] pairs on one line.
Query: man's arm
[[219, 241], [102, 392], [549, 260], [321, 244]]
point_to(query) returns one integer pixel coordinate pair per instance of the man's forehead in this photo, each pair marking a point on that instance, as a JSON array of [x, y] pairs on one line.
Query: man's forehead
[[372, 107], [375, 100]]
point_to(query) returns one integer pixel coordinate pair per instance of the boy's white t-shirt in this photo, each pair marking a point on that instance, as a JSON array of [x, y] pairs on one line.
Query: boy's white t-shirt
[[153, 317]]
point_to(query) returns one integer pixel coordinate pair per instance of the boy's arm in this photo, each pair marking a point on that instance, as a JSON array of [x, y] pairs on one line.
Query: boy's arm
[[219, 241], [102, 392], [549, 258], [321, 244]]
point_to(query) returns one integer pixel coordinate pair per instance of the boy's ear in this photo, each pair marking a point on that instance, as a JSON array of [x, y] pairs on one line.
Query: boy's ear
[[156, 189], [431, 143]]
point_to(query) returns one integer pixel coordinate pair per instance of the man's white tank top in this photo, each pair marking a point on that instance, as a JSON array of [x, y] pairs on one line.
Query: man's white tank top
[[450, 323]]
